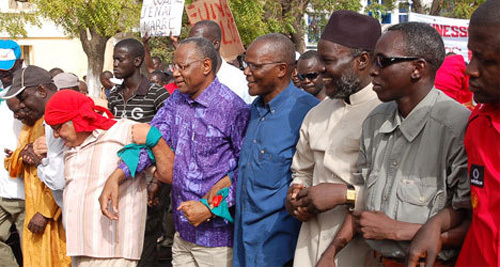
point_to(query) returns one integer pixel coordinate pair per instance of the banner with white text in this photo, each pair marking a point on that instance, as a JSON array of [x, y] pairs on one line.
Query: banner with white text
[[454, 32], [162, 17]]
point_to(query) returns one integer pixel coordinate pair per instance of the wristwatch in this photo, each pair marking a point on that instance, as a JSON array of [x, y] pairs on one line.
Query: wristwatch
[[350, 196]]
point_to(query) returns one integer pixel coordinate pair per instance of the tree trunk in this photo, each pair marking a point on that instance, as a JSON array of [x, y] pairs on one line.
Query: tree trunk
[[94, 46], [436, 7], [418, 7], [297, 8]]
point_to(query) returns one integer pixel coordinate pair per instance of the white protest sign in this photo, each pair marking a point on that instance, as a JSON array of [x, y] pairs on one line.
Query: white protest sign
[[160, 17], [453, 31]]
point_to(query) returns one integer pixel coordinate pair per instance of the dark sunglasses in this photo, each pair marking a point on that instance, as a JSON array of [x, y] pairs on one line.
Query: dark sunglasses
[[382, 62], [311, 76]]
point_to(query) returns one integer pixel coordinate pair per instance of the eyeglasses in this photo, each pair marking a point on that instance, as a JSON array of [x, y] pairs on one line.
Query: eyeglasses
[[183, 67], [382, 61], [311, 76], [254, 66]]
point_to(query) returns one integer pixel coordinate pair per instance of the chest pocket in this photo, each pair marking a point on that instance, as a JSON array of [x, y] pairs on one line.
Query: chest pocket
[[415, 201], [271, 170], [206, 148]]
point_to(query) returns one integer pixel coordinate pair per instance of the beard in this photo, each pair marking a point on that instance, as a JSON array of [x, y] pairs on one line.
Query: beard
[[347, 85]]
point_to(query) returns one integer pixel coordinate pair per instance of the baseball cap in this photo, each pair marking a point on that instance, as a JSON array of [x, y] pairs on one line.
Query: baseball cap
[[9, 53], [65, 80], [31, 76]]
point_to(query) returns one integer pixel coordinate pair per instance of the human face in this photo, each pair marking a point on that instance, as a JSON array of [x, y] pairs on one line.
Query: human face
[[68, 134], [156, 63], [31, 101], [155, 78], [124, 64], [484, 66], [392, 81], [14, 105], [106, 82], [307, 69], [340, 77], [261, 69], [6, 77], [191, 70]]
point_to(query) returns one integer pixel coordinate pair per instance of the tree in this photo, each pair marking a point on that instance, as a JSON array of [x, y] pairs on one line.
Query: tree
[[461, 9], [92, 21]]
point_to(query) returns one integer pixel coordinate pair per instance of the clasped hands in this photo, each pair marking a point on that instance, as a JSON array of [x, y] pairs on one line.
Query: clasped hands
[[305, 202]]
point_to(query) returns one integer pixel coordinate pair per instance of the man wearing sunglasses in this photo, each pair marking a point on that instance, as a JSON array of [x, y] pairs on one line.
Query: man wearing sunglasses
[[412, 164], [329, 139], [309, 68]]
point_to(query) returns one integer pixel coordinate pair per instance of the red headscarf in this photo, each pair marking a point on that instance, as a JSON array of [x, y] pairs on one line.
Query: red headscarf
[[69, 105]]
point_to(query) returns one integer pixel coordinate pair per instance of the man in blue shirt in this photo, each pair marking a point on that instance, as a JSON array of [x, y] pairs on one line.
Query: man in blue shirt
[[265, 234]]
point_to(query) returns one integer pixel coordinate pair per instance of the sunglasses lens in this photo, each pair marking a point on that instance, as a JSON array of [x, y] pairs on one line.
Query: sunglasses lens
[[310, 76]]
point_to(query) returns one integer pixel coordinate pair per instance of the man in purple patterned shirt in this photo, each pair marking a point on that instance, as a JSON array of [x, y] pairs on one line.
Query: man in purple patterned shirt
[[204, 123]]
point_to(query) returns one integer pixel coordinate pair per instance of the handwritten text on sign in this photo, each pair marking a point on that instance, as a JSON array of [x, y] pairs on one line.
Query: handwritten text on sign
[[160, 17], [218, 11]]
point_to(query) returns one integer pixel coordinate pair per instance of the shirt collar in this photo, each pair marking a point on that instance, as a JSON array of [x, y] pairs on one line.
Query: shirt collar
[[143, 87], [275, 103], [413, 124], [361, 96], [493, 114], [208, 96]]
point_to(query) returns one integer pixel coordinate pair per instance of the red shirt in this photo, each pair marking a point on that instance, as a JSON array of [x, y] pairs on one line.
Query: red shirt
[[482, 143], [452, 80], [170, 87]]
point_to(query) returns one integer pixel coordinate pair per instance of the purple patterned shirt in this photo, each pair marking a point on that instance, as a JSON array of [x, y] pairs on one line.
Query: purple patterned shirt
[[206, 135]]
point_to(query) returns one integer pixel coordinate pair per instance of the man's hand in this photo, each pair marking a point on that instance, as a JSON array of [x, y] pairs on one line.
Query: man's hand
[[292, 206], [322, 197], [40, 147], [195, 212], [153, 188], [37, 223], [8, 152], [375, 225], [110, 195], [425, 244], [222, 183], [174, 40], [140, 133], [28, 155]]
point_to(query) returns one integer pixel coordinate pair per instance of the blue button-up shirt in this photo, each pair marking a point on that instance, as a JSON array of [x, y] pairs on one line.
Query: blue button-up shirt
[[206, 135], [265, 234]]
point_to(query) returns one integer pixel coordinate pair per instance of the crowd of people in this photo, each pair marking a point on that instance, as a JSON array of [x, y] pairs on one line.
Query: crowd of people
[[363, 152]]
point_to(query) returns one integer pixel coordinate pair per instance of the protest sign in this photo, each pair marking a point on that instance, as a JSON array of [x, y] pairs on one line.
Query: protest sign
[[160, 17], [218, 11], [453, 31]]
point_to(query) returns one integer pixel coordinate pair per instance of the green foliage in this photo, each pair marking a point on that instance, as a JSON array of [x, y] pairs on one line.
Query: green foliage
[[462, 9], [14, 23], [107, 17]]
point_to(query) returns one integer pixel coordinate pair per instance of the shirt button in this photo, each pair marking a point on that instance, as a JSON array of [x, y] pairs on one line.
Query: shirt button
[[262, 151], [395, 162], [254, 141], [385, 198], [422, 198], [263, 119]]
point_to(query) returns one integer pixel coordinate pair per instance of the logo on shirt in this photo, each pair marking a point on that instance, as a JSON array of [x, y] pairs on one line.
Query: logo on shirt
[[477, 175]]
